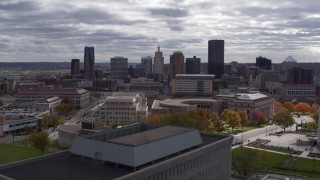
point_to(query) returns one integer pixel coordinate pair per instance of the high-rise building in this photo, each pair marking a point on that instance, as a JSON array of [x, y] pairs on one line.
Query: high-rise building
[[119, 68], [147, 63], [176, 64], [158, 62], [89, 63], [193, 65], [298, 75], [216, 57], [263, 63], [75, 67]]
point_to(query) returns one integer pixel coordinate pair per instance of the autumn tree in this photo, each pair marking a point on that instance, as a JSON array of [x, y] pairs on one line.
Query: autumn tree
[[231, 117], [202, 119], [243, 161], [39, 140], [243, 117], [1, 118], [96, 95], [65, 109], [303, 107], [52, 120], [314, 108], [277, 106], [153, 119], [283, 118], [217, 124], [259, 117], [289, 106]]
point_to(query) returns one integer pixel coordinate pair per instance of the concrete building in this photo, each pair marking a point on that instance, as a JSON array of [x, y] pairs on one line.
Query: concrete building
[[216, 57], [48, 104], [298, 91], [15, 126], [89, 63], [185, 105], [147, 63], [176, 64], [193, 65], [123, 108], [119, 68], [249, 103], [75, 67], [158, 62], [298, 75], [141, 84], [263, 63], [188, 155], [192, 85], [79, 98]]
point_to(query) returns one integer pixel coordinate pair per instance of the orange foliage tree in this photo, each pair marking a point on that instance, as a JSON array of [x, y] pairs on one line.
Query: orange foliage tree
[[277, 106], [289, 106], [314, 108], [259, 117], [303, 107], [243, 117]]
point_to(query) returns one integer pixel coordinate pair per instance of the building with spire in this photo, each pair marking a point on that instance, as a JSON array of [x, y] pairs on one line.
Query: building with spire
[[158, 62]]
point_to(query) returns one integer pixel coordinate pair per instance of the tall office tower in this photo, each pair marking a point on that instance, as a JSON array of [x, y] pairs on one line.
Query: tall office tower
[[298, 75], [89, 63], [158, 62], [147, 63], [263, 63], [216, 57], [176, 64], [75, 67], [193, 65], [119, 68]]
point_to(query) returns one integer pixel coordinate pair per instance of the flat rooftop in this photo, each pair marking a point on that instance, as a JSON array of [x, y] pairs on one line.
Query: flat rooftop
[[67, 166], [150, 136]]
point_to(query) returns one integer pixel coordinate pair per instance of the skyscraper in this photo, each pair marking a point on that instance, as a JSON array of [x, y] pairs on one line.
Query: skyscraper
[[176, 64], [89, 63], [158, 62], [119, 68], [216, 57], [193, 65], [147, 63], [75, 67], [263, 63]]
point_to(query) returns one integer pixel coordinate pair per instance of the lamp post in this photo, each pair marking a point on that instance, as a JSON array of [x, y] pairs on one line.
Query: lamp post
[[267, 130]]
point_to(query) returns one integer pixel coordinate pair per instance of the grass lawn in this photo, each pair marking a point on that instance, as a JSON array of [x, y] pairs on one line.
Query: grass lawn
[[301, 166], [14, 152]]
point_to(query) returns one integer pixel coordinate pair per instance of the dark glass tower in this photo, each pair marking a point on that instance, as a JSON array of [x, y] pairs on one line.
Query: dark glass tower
[[193, 65], [75, 67], [89, 63], [216, 57]]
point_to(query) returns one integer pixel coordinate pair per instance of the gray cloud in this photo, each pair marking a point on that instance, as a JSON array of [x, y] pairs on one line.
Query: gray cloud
[[19, 6], [169, 12]]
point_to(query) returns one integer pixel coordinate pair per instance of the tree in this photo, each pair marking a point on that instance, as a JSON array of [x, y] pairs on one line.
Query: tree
[[1, 118], [243, 161], [289, 106], [277, 106], [231, 117], [97, 95], [39, 140], [283, 118], [303, 107], [202, 119], [314, 108], [243, 117], [259, 117], [52, 120], [1, 103], [153, 119], [216, 124], [64, 109]]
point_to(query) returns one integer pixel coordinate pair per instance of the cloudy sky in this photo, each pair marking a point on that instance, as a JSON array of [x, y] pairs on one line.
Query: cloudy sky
[[58, 30]]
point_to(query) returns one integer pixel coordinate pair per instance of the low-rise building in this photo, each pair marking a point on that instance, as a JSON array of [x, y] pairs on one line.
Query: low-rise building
[[124, 107], [79, 98], [48, 104], [14, 126], [290, 91], [249, 103], [192, 85]]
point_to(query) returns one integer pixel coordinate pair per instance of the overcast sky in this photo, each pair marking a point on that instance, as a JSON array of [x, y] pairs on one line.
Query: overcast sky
[[58, 30]]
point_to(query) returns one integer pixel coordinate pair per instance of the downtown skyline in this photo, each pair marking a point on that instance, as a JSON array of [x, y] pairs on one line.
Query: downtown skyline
[[57, 30]]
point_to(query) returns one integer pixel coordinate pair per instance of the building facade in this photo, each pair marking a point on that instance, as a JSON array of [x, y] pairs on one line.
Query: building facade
[[263, 63], [147, 63], [48, 104], [15, 126], [298, 91], [79, 98], [123, 108], [119, 68], [75, 67], [216, 57], [158, 62], [192, 85], [176, 64], [298, 75], [193, 65], [89, 63]]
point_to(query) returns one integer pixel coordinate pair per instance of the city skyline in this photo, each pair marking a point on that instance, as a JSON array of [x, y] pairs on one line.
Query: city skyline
[[56, 31]]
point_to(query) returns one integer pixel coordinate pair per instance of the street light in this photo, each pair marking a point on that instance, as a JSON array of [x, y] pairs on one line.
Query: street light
[[267, 130]]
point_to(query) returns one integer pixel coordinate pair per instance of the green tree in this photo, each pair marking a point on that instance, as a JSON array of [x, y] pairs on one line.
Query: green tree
[[39, 140], [243, 117], [231, 117], [52, 120], [243, 161], [283, 118]]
